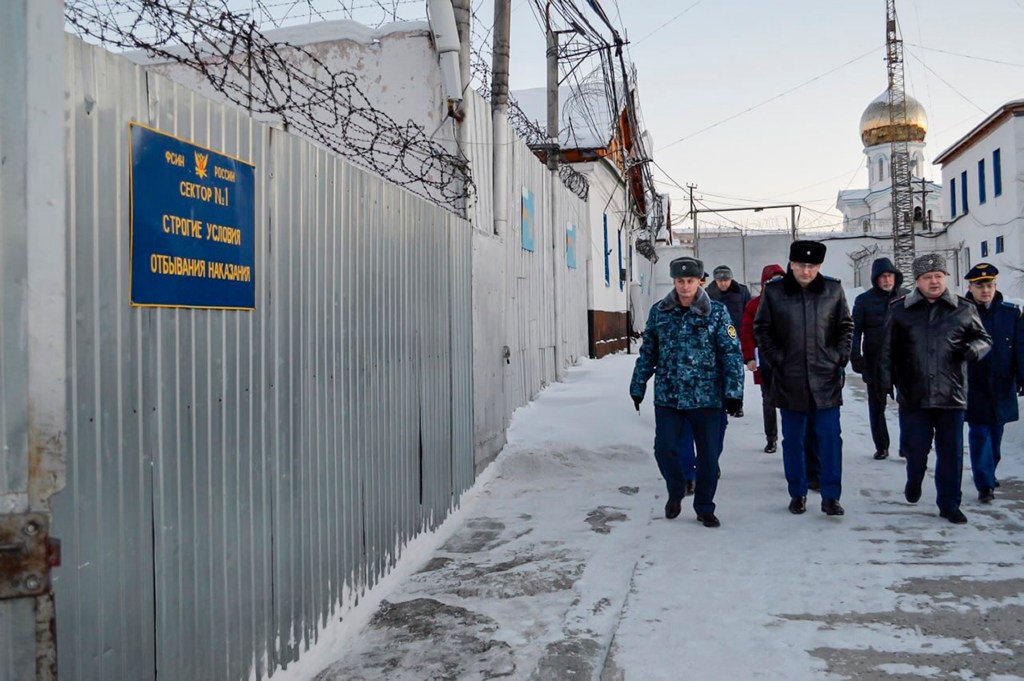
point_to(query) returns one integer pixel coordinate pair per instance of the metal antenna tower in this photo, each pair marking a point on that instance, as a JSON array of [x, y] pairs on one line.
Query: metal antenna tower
[[899, 157]]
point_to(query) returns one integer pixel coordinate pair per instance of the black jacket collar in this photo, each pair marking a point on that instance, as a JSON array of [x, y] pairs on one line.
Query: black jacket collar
[[792, 286], [915, 297]]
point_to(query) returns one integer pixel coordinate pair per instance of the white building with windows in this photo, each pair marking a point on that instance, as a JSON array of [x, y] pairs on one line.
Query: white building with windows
[[983, 173], [869, 210]]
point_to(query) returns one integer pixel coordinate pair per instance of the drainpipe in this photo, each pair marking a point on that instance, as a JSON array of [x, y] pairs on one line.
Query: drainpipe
[[449, 48]]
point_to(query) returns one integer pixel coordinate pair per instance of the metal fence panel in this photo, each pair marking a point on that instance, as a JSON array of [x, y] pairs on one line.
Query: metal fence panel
[[238, 478]]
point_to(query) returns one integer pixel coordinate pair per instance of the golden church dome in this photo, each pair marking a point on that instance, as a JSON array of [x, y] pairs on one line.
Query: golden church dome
[[875, 127]]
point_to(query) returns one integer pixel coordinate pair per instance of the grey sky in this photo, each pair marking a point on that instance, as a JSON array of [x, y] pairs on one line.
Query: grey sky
[[724, 56]]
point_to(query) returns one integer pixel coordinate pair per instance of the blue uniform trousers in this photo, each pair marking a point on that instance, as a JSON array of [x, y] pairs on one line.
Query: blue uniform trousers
[[829, 444], [813, 461], [985, 441], [917, 429], [689, 456], [669, 427]]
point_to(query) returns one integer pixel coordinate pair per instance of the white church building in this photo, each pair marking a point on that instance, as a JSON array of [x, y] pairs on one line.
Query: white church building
[[869, 210]]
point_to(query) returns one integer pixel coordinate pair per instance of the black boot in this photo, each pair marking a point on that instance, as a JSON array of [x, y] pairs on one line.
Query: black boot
[[672, 508], [770, 448], [691, 487], [797, 505], [708, 519], [831, 507], [881, 454], [956, 516], [987, 495], [912, 493]]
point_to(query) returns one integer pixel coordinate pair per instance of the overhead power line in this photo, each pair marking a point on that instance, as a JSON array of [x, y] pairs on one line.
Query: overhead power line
[[670, 21], [947, 83], [770, 99], [966, 56]]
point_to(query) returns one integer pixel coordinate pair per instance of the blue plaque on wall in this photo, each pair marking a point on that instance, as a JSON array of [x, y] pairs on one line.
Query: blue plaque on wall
[[192, 217], [528, 220], [570, 246]]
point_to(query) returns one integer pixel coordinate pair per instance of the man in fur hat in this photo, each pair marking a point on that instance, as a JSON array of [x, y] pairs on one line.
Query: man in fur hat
[[690, 345], [803, 332], [929, 338]]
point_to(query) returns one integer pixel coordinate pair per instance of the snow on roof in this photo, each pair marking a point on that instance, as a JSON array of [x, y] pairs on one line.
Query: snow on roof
[[585, 117], [308, 34], [342, 29]]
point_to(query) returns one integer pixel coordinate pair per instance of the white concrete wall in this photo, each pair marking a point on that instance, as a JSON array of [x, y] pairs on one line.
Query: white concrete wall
[[999, 215], [396, 70], [607, 199], [773, 248], [513, 289]]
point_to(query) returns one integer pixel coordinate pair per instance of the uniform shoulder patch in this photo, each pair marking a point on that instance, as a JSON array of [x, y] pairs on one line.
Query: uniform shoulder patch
[[829, 277], [732, 331], [1010, 305]]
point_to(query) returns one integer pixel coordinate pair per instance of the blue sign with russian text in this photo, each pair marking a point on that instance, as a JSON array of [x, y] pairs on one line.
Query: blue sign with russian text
[[193, 236]]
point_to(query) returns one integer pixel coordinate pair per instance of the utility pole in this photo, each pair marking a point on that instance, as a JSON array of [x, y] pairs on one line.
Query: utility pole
[[792, 221], [924, 205], [553, 154], [693, 216], [899, 156], [499, 113]]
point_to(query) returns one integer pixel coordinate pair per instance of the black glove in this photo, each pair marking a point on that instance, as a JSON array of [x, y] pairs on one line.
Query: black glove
[[734, 407], [637, 401], [858, 364]]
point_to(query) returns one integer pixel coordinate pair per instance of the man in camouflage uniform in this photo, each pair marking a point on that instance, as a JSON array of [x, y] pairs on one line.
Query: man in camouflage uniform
[[691, 348]]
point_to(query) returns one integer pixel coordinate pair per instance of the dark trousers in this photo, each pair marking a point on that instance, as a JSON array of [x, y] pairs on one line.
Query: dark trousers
[[985, 441], [689, 455], [918, 427], [876, 417], [771, 421], [812, 461], [705, 424], [797, 428]]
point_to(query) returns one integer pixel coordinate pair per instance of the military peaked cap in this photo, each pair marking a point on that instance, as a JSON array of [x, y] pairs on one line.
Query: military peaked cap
[[983, 271]]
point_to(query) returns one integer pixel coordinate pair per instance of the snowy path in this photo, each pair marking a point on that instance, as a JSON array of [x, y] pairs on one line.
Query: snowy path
[[561, 565]]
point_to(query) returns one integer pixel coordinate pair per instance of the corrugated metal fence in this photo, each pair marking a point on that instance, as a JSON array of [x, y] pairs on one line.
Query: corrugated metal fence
[[235, 478], [513, 289]]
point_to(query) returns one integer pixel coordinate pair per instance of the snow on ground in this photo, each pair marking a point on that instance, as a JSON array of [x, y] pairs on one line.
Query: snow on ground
[[560, 564]]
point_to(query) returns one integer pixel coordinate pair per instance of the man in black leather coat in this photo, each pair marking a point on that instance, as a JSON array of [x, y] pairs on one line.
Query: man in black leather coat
[[869, 309], [803, 331], [929, 337]]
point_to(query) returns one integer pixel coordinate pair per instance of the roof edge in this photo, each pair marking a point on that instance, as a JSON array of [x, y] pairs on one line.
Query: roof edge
[[1006, 110]]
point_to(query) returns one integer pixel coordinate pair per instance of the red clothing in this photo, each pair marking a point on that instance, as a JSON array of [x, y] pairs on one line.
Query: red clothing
[[747, 343]]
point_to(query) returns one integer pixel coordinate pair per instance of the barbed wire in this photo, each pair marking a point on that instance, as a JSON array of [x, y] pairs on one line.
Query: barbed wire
[[279, 80], [574, 181], [523, 126]]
